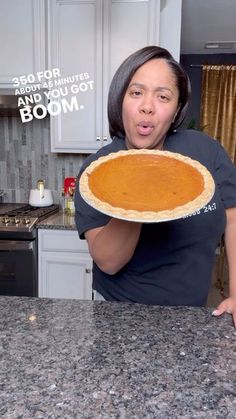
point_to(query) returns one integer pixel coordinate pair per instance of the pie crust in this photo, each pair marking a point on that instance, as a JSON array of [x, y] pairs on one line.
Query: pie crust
[[146, 185]]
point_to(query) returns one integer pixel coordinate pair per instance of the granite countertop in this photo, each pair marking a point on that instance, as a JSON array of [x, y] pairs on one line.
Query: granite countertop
[[58, 221], [85, 359]]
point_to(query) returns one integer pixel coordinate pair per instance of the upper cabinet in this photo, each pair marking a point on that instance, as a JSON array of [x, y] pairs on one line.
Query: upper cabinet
[[87, 41], [22, 39], [75, 47]]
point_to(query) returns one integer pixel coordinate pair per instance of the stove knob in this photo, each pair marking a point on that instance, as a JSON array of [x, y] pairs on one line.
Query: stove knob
[[26, 220], [17, 220], [5, 220]]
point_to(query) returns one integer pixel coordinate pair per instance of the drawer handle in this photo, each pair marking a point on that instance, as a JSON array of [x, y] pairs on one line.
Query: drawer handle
[[88, 271]]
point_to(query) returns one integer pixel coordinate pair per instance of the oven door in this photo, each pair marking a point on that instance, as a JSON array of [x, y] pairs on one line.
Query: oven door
[[18, 268]]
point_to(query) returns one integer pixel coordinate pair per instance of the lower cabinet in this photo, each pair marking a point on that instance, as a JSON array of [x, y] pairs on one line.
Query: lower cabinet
[[64, 264]]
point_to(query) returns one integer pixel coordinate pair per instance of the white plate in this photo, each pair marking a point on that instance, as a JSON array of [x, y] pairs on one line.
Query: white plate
[[144, 220]]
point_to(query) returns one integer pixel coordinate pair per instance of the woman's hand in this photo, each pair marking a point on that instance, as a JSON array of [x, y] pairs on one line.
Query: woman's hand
[[227, 306]]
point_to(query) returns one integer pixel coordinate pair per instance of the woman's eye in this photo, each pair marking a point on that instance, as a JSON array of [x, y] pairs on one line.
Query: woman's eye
[[163, 98], [135, 93]]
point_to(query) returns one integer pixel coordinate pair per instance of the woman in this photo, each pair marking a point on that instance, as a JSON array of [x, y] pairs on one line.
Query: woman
[[167, 263]]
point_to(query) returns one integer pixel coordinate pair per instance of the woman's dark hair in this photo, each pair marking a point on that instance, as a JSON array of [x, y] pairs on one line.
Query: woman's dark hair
[[124, 74]]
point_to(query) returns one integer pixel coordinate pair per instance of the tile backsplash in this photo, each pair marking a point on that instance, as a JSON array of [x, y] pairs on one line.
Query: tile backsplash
[[25, 157]]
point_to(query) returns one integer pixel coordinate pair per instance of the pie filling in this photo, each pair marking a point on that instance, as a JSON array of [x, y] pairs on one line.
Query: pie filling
[[145, 182]]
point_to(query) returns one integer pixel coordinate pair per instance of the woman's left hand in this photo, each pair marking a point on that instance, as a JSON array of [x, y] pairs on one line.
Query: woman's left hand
[[227, 306]]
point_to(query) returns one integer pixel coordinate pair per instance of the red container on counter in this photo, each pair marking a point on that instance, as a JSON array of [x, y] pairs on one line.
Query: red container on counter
[[69, 183]]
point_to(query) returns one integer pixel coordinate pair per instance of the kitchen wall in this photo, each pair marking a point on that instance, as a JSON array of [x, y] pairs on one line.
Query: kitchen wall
[[25, 157]]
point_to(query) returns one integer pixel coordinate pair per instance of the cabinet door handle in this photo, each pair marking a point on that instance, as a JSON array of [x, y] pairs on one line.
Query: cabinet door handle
[[88, 271], [105, 138], [98, 138]]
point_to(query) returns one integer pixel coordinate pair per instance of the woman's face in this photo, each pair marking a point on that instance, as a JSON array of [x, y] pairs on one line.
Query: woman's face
[[150, 105]]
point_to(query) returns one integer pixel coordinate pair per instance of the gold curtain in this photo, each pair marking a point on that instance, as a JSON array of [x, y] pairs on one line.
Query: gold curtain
[[218, 105]]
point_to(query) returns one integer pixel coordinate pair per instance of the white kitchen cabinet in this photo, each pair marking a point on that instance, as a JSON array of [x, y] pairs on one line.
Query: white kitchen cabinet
[[22, 39], [65, 266], [93, 37]]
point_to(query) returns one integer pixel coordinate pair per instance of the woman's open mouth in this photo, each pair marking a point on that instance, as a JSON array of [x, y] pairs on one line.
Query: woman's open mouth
[[145, 128]]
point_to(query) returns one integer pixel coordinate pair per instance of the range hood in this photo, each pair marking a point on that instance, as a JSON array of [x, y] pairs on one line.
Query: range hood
[[8, 104]]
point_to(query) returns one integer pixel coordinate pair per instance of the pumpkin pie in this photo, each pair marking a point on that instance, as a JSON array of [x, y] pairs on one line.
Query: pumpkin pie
[[146, 185]]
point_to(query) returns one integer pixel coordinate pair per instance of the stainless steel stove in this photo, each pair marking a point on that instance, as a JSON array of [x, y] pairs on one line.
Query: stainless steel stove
[[18, 248], [20, 222]]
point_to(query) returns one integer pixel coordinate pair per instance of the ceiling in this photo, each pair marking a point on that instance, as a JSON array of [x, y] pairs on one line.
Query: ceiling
[[211, 21]]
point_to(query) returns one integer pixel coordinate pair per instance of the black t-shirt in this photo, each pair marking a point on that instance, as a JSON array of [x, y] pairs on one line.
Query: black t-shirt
[[173, 261]]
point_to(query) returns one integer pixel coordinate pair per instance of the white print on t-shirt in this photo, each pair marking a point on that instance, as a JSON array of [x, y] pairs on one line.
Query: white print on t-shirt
[[206, 208]]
